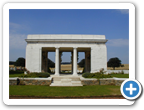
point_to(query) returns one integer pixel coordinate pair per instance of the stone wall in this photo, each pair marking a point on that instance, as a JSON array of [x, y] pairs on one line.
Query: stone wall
[[117, 71], [30, 81], [84, 81], [106, 81]]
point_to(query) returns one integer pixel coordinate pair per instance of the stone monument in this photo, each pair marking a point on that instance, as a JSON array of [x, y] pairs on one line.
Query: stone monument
[[38, 47]]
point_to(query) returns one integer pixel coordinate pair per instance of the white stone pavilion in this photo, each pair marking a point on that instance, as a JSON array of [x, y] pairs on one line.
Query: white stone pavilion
[[38, 47]]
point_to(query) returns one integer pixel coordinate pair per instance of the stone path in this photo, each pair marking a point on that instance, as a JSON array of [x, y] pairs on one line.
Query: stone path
[[69, 80]]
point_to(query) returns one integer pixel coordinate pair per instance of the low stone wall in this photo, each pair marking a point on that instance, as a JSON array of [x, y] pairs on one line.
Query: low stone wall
[[84, 81], [30, 81], [106, 81], [117, 71]]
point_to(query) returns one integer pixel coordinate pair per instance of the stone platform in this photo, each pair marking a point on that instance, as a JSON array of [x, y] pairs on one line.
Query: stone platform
[[67, 80]]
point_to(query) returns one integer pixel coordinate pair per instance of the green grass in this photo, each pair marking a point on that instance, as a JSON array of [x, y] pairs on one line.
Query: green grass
[[120, 75], [34, 90]]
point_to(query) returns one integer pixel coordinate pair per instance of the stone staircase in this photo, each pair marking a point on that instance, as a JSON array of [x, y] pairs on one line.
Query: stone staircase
[[66, 81]]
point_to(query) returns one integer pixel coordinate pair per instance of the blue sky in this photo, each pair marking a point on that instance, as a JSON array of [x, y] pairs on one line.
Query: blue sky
[[113, 23]]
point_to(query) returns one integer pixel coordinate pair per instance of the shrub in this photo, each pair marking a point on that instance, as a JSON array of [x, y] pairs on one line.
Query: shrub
[[49, 70], [122, 72], [85, 75], [97, 75], [40, 75], [83, 70], [15, 72]]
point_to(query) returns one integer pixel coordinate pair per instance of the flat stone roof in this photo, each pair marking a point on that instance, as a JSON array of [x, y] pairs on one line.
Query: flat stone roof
[[65, 36]]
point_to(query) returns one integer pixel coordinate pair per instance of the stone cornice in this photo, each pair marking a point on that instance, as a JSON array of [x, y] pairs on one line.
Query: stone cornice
[[67, 40]]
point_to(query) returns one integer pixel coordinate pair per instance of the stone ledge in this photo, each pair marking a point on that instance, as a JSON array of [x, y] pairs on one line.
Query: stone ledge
[[67, 40], [104, 81], [49, 78], [120, 78], [30, 81]]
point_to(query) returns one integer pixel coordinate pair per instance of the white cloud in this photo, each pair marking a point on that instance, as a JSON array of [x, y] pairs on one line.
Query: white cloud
[[124, 11], [118, 42], [14, 25], [16, 39]]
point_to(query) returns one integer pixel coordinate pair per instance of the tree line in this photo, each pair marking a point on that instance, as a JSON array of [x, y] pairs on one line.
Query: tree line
[[113, 62]]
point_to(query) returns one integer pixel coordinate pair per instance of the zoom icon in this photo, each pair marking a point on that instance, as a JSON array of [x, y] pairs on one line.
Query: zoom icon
[[132, 89]]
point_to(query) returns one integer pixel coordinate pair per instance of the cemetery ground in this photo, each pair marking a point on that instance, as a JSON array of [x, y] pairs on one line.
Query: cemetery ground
[[47, 92]]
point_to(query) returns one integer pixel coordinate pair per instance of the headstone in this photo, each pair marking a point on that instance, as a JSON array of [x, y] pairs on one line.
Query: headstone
[[15, 68], [20, 68], [25, 72]]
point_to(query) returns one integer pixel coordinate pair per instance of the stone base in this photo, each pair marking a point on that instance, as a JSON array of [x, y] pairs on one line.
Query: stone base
[[30, 81], [104, 81]]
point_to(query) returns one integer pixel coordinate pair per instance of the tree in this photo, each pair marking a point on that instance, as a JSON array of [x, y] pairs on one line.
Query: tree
[[82, 63], [51, 63], [114, 62], [20, 62], [77, 56], [11, 62]]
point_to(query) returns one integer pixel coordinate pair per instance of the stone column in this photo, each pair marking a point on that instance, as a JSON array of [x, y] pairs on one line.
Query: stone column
[[75, 61], [60, 53], [57, 61], [72, 62], [40, 60]]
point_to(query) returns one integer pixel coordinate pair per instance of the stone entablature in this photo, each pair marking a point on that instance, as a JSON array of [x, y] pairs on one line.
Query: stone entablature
[[65, 36], [39, 45], [67, 40]]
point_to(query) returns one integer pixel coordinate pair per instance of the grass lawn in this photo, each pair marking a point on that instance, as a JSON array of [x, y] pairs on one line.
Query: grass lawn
[[34, 90], [120, 75]]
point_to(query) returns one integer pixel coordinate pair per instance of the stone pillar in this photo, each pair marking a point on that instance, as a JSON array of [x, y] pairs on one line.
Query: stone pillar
[[60, 53], [44, 61], [72, 62], [87, 61], [75, 61], [57, 61]]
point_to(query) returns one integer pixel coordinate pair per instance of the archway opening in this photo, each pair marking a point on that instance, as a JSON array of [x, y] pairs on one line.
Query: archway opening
[[51, 62], [66, 63]]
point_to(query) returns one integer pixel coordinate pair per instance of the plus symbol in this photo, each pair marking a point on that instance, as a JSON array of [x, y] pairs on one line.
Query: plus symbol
[[131, 89]]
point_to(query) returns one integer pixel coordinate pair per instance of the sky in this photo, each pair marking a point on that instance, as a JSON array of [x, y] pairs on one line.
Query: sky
[[113, 23]]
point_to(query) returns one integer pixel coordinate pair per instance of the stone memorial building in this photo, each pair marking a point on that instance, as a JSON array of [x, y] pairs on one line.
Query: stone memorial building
[[38, 47]]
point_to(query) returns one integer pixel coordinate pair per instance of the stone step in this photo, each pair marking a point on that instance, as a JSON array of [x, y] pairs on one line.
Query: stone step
[[66, 81], [75, 81], [77, 85], [72, 79], [61, 84], [56, 82], [66, 84]]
